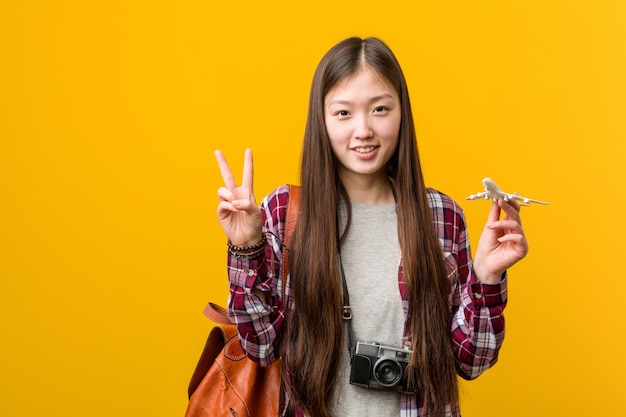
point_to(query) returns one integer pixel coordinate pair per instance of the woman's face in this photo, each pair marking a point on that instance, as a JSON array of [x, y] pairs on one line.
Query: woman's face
[[362, 116]]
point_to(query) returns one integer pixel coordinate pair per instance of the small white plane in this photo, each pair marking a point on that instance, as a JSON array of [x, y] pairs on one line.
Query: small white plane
[[492, 191]]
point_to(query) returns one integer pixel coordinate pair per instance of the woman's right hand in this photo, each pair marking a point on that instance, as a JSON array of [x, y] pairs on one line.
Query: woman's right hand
[[237, 211]]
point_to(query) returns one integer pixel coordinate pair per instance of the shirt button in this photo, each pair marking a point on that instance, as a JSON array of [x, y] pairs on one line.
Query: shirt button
[[478, 295], [251, 272]]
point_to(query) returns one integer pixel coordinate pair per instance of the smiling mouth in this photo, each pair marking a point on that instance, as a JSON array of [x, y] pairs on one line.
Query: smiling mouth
[[364, 149]]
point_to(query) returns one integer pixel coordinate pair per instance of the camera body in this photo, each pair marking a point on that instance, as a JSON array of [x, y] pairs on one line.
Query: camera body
[[380, 367]]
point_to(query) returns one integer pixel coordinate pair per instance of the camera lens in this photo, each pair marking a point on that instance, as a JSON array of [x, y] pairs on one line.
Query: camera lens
[[387, 372]]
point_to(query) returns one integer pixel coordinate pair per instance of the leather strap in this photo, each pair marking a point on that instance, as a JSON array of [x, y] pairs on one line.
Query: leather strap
[[217, 313], [293, 213]]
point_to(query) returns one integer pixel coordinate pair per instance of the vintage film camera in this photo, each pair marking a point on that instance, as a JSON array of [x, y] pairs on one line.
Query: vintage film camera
[[380, 367]]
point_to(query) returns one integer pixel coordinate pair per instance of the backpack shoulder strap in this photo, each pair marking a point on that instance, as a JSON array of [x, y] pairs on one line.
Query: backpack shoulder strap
[[293, 212]]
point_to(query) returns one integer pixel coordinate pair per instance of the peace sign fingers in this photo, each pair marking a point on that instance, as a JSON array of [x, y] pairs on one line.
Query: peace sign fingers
[[237, 212], [227, 174]]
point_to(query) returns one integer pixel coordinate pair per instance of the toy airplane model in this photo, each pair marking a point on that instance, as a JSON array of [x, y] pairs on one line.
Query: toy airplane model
[[492, 191]]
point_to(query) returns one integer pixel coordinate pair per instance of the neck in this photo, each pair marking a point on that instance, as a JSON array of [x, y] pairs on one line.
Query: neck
[[369, 191]]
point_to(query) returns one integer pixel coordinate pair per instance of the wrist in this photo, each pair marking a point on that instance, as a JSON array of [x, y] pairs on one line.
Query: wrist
[[486, 276], [247, 251]]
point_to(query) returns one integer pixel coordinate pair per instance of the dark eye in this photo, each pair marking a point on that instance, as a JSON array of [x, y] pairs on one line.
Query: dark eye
[[342, 113], [380, 109]]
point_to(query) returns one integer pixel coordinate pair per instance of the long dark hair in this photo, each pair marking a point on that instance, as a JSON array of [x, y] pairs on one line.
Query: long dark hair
[[314, 334]]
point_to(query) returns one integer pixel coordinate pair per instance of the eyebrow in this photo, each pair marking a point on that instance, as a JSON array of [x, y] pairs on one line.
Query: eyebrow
[[372, 100]]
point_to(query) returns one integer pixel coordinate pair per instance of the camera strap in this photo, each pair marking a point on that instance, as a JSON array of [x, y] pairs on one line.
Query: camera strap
[[347, 309]]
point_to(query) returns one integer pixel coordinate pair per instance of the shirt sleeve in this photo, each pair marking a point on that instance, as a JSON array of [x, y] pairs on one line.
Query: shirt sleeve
[[477, 308], [255, 303], [478, 326]]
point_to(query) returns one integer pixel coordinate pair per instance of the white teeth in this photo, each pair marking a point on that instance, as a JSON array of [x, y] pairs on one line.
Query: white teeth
[[364, 149]]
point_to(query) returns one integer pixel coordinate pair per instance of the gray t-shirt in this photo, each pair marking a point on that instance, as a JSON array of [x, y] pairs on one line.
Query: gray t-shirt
[[371, 258]]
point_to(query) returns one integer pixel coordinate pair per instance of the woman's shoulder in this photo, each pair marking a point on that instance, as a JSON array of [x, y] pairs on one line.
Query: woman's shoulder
[[279, 195], [277, 201], [439, 201], [447, 215]]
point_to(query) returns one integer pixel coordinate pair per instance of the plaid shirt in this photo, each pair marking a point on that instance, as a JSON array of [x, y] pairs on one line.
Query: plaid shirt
[[256, 305]]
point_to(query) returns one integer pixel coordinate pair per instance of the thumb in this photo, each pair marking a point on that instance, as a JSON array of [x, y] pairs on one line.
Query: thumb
[[494, 213]]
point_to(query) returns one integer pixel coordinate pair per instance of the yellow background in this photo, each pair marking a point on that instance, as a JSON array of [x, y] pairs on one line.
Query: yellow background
[[109, 244]]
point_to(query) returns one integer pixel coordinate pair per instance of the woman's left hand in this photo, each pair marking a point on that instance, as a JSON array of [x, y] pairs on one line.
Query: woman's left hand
[[501, 244]]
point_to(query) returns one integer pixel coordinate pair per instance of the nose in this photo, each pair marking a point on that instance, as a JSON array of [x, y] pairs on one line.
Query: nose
[[362, 127]]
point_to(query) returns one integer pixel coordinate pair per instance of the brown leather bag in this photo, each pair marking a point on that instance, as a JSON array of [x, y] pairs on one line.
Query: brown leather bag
[[226, 383]]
